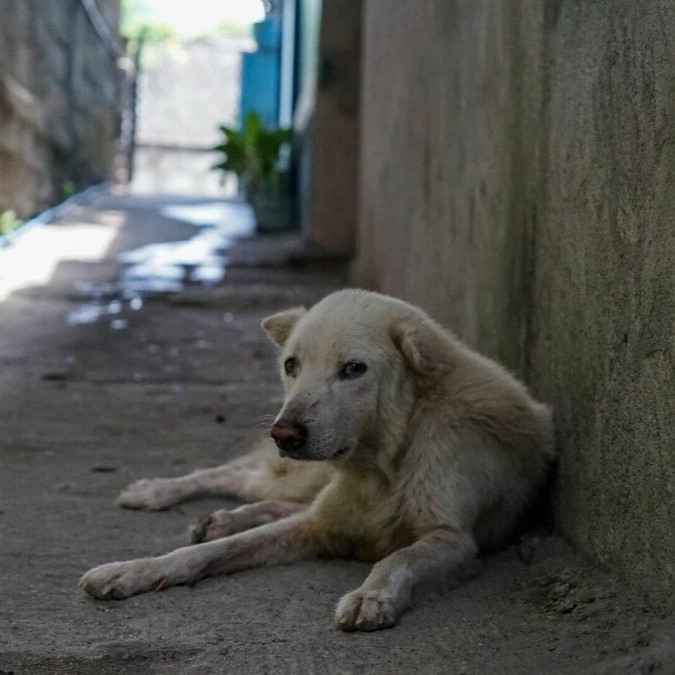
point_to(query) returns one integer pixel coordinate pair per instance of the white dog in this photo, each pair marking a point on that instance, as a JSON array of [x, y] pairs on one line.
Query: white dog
[[424, 453]]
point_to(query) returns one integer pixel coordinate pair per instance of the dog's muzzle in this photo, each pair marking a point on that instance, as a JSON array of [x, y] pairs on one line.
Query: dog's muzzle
[[290, 437]]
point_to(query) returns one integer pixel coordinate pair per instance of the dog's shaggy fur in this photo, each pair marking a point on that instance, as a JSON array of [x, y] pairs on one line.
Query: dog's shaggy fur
[[428, 453]]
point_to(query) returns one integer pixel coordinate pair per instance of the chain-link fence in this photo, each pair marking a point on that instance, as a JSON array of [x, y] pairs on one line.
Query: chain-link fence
[[185, 91]]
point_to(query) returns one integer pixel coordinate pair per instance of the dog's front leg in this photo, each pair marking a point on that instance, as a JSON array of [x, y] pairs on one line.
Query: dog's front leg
[[156, 494], [281, 542], [223, 523], [386, 592]]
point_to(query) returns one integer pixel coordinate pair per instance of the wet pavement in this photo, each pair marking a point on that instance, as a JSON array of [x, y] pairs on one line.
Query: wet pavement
[[130, 347], [167, 267]]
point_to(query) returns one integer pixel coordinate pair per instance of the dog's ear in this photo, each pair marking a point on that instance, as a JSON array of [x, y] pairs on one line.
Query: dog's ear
[[424, 345], [279, 326]]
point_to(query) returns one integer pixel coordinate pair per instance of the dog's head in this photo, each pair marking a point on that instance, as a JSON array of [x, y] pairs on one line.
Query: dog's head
[[349, 367]]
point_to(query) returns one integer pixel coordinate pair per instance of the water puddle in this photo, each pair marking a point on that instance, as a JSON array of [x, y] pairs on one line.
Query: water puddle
[[99, 308], [168, 267]]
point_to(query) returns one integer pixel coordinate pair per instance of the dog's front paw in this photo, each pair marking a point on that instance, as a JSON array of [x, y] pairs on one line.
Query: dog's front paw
[[366, 611], [216, 525], [151, 494], [119, 580]]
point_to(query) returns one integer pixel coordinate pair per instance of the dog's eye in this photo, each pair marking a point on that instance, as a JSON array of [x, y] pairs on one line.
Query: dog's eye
[[289, 365], [352, 369]]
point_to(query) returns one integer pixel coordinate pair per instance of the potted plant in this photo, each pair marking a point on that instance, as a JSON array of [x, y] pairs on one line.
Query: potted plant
[[255, 155]]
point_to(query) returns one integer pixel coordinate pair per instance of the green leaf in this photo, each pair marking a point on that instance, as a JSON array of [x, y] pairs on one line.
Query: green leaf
[[253, 153]]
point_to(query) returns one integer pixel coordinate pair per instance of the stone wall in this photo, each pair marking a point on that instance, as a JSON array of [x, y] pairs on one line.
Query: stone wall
[[60, 87], [518, 181]]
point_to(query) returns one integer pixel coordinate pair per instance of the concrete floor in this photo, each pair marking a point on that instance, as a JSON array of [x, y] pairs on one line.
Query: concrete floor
[[101, 384]]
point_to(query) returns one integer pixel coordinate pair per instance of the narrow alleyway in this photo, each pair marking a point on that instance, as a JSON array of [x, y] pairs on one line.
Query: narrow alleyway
[[106, 377]]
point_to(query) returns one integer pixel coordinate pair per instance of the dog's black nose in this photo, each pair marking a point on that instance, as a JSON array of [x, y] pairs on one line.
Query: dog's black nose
[[289, 436]]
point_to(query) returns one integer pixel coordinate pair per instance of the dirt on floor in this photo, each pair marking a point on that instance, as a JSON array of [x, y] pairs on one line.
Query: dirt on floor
[[157, 385]]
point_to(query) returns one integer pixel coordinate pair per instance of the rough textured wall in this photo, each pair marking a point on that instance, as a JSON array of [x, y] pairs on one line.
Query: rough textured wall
[[603, 333], [518, 181], [59, 100]]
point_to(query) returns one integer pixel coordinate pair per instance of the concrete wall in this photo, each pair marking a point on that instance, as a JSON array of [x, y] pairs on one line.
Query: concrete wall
[[518, 181], [59, 100], [329, 216]]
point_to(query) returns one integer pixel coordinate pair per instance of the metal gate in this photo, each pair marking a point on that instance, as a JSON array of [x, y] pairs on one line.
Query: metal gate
[[185, 91]]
